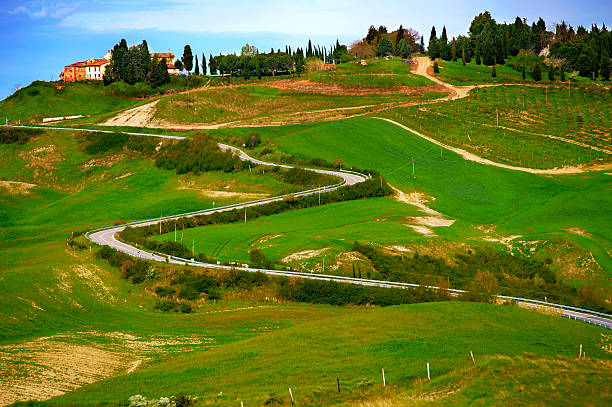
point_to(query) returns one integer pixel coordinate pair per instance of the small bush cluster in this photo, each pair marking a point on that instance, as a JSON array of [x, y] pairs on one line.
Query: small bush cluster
[[196, 155], [101, 143], [131, 269], [10, 135], [180, 400]]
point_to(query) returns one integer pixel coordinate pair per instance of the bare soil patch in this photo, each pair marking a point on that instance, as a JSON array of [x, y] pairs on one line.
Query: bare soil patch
[[138, 116], [306, 86], [16, 187], [305, 254]]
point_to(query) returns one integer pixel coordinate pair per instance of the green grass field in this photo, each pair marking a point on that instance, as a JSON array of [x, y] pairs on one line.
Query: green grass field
[[354, 348], [378, 73], [537, 126], [70, 323], [506, 202], [44, 99]]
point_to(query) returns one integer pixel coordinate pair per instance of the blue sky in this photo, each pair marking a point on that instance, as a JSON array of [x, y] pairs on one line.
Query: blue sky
[[39, 37]]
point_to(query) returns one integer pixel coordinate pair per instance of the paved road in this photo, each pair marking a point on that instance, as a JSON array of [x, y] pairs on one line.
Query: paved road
[[106, 236]]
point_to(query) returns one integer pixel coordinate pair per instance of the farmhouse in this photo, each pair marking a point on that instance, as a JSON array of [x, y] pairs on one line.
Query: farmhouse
[[93, 68]]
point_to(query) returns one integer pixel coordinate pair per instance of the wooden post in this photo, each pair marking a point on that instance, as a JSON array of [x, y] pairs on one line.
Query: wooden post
[[291, 395], [182, 234], [580, 353], [241, 404], [245, 214], [441, 154], [338, 380], [383, 376], [413, 174], [472, 355], [547, 95], [175, 231], [193, 246], [428, 376], [497, 114]]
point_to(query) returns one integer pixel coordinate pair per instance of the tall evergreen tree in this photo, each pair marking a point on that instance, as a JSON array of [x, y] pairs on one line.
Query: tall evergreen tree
[[432, 49], [371, 36], [463, 54], [443, 47], [398, 38], [145, 59], [536, 73], [187, 58], [212, 64], [203, 64], [422, 49], [309, 49], [454, 51], [524, 74], [605, 65], [493, 72], [197, 66], [551, 73], [385, 47], [562, 75], [178, 65]]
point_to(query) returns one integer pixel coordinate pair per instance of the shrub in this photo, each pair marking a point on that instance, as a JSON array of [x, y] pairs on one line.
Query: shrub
[[99, 143], [436, 68], [10, 135], [165, 291]]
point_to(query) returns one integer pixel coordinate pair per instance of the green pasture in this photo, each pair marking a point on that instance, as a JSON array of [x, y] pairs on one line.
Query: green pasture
[[512, 202], [354, 349]]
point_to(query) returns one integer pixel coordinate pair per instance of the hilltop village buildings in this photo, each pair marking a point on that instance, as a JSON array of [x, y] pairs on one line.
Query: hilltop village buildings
[[93, 68]]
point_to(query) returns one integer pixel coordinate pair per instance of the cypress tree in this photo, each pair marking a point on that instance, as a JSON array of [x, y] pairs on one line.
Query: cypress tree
[[463, 55], [398, 38], [493, 72], [432, 48], [551, 73], [454, 51], [605, 65], [212, 64], [145, 59], [422, 50], [187, 58], [203, 64], [443, 47], [436, 68], [309, 49], [524, 73], [536, 73], [197, 66], [562, 78]]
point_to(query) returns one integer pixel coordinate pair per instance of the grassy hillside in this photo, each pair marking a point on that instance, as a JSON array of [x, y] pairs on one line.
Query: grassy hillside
[[254, 104], [402, 340], [378, 73], [498, 201], [52, 99]]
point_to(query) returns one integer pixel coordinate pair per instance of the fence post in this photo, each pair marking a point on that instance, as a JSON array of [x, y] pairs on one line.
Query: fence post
[[383, 377], [472, 355], [291, 395], [428, 376]]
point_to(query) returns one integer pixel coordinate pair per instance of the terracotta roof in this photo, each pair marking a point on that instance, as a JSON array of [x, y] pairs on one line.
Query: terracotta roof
[[90, 62], [163, 54], [96, 62], [171, 66]]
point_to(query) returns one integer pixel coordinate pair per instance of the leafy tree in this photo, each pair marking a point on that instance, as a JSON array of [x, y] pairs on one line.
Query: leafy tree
[[480, 22], [197, 66], [203, 64], [536, 73], [384, 47], [178, 64], [187, 58], [382, 30], [436, 68], [249, 50]]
